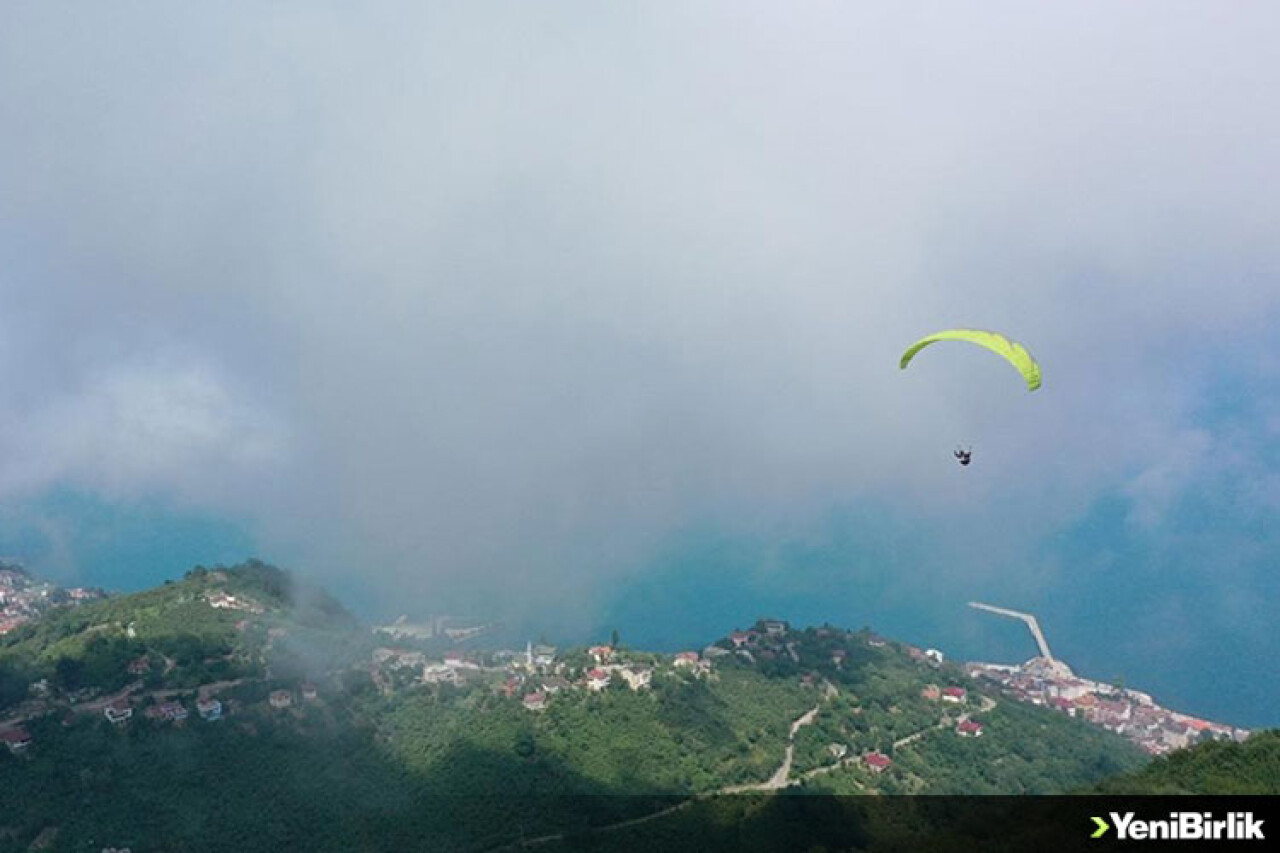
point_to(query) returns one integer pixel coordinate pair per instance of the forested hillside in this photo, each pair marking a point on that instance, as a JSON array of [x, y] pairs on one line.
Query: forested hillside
[[236, 705], [1252, 767]]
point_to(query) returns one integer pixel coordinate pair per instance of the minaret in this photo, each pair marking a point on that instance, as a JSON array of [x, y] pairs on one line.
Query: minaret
[[528, 653]]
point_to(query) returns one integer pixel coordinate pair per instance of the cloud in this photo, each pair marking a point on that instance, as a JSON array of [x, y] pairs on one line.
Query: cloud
[[1153, 491], [133, 428], [497, 301]]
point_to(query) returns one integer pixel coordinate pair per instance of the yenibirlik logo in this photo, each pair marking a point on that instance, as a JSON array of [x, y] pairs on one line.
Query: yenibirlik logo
[[1183, 826]]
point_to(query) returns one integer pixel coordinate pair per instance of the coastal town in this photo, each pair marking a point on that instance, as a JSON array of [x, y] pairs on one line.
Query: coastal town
[[1046, 681], [1125, 711], [429, 655], [23, 599]]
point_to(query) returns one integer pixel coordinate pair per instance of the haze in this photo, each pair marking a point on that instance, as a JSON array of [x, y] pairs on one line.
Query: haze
[[495, 305]]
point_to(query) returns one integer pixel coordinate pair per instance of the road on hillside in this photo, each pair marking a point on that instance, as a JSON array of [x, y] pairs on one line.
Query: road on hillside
[[775, 782]]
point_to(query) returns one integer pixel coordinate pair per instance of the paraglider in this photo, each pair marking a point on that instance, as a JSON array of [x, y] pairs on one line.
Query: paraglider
[[1011, 351]]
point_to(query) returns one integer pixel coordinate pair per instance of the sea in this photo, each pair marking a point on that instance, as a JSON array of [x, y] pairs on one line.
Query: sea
[[1194, 627]]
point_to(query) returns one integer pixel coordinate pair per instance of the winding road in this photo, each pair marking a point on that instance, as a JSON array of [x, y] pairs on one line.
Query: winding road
[[780, 777], [775, 782]]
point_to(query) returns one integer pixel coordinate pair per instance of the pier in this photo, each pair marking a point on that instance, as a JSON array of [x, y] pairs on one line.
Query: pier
[[1025, 617]]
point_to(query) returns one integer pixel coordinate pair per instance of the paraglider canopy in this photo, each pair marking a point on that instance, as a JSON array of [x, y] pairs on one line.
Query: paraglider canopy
[[1011, 351]]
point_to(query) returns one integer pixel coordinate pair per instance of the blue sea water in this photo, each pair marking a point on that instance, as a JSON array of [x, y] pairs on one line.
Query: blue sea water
[[1185, 612], [75, 539], [1189, 622]]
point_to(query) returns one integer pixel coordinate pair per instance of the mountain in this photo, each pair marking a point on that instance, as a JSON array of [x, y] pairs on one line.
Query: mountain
[[238, 708]]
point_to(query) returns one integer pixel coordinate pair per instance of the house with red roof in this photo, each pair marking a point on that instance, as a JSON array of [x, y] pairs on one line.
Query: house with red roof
[[600, 654], [1117, 710], [535, 701], [16, 739], [170, 711], [686, 659], [953, 694], [597, 679], [877, 762], [118, 712], [969, 728], [741, 638], [140, 666], [280, 699], [10, 622]]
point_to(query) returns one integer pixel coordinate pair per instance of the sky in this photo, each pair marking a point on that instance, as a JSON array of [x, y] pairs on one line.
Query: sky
[[579, 313]]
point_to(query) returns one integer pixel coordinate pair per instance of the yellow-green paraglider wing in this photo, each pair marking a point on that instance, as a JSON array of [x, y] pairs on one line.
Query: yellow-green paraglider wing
[[1012, 351]]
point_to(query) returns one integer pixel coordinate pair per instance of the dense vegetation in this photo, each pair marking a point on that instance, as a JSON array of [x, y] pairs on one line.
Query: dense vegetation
[[379, 760], [681, 736], [187, 642], [1215, 767]]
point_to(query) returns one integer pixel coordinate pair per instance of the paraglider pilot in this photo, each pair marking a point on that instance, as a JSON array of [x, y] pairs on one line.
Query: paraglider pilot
[[965, 456]]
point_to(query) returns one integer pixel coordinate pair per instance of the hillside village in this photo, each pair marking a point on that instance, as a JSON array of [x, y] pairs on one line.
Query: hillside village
[[541, 675], [536, 677], [232, 677]]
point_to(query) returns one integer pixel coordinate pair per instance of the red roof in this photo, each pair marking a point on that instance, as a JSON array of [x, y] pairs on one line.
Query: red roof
[[692, 656], [970, 727], [16, 736], [953, 691], [597, 674], [876, 759]]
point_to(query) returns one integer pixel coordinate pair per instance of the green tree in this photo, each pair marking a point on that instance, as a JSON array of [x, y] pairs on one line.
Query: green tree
[[68, 673]]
